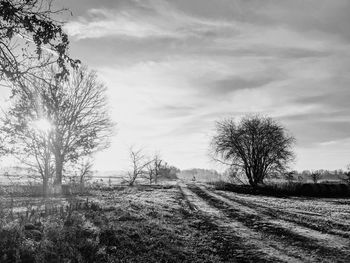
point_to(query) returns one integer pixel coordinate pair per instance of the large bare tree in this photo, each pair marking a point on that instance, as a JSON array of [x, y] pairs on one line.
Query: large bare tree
[[80, 116], [257, 145], [76, 108]]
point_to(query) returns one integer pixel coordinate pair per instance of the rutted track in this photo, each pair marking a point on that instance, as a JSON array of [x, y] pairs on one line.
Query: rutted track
[[314, 222], [236, 242], [311, 249]]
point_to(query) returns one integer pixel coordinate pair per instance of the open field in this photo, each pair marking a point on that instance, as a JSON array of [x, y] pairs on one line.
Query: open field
[[195, 223]]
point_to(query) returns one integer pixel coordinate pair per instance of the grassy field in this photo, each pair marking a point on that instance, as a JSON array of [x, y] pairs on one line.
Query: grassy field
[[191, 223]]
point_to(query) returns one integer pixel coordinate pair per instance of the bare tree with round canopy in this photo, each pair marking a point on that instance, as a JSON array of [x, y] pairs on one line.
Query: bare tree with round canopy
[[257, 145], [76, 109]]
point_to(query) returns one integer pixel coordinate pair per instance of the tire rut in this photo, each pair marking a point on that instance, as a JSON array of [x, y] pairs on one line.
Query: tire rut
[[245, 244], [287, 237], [318, 224]]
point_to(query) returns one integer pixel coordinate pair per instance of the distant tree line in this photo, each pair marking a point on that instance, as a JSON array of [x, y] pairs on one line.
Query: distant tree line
[[317, 175]]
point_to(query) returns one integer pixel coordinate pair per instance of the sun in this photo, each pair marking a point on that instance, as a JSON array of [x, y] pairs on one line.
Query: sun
[[43, 125]]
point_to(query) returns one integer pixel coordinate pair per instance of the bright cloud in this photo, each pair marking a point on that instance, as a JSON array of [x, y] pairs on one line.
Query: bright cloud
[[160, 21], [175, 67]]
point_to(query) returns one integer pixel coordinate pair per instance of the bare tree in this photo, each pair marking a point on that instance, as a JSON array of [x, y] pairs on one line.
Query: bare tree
[[347, 174], [289, 176], [28, 136], [157, 167], [139, 165], [85, 173], [27, 28], [154, 169], [77, 109], [316, 176], [256, 145], [81, 117], [149, 175], [81, 172]]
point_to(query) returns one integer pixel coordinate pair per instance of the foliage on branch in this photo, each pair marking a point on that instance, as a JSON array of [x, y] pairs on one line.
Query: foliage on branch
[[27, 28]]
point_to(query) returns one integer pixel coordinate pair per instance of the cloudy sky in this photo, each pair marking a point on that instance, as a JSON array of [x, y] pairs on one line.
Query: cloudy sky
[[175, 67]]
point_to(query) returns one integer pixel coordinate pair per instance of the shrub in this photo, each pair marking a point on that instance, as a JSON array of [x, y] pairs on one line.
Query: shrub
[[11, 236], [70, 239], [288, 189]]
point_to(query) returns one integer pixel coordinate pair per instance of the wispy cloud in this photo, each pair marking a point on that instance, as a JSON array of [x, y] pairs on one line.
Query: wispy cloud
[[174, 67], [156, 19]]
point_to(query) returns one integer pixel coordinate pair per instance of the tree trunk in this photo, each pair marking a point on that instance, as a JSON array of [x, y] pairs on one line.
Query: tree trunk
[[256, 180], [250, 179], [58, 174], [253, 183], [45, 187], [82, 186], [46, 175], [132, 180]]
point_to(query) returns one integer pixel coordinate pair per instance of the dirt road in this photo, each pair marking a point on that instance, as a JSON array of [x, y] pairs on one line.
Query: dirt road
[[273, 229]]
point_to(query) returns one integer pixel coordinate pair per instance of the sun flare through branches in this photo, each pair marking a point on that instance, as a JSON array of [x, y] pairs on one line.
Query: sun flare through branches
[[42, 125]]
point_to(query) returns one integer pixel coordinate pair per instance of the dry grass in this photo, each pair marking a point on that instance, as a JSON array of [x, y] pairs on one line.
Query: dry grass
[[183, 224]]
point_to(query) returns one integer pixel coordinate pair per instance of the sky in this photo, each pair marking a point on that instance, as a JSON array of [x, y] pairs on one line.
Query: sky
[[173, 68]]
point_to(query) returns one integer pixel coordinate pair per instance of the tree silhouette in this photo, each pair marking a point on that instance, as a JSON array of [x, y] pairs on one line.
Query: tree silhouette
[[77, 109], [154, 169], [139, 163], [256, 145], [316, 176]]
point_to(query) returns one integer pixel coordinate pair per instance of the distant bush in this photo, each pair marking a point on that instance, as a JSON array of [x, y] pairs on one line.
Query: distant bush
[[288, 189], [222, 185], [347, 176]]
